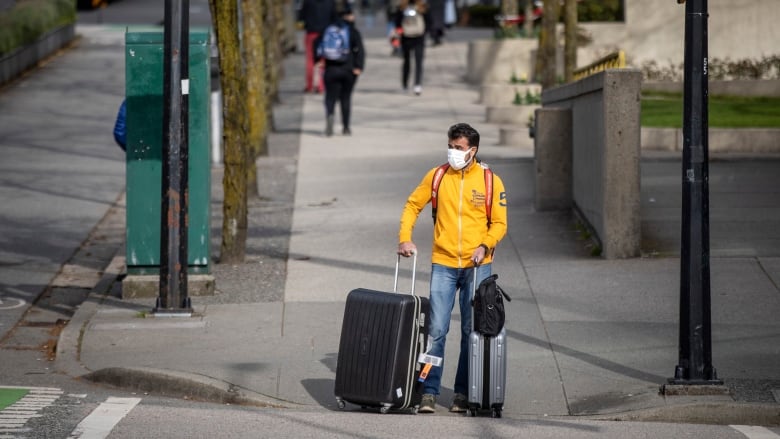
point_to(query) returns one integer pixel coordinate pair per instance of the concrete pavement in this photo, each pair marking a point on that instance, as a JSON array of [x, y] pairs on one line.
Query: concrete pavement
[[588, 337]]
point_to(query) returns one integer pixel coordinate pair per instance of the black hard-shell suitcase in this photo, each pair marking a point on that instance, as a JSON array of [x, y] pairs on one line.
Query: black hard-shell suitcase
[[382, 336], [487, 370]]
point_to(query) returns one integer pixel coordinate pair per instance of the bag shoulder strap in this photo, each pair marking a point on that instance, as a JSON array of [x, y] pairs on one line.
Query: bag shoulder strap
[[488, 193], [437, 176], [501, 290]]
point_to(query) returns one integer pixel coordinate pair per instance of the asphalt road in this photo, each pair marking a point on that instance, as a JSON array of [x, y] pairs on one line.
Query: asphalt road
[[142, 12]]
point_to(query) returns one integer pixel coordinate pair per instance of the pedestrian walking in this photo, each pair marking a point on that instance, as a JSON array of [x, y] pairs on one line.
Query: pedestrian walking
[[120, 126], [450, 13], [315, 15], [412, 19], [466, 231], [393, 31], [340, 48], [436, 14]]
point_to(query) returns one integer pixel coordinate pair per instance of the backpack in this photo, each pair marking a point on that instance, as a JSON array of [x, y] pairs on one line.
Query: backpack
[[437, 176], [413, 23], [120, 126], [335, 43], [489, 315]]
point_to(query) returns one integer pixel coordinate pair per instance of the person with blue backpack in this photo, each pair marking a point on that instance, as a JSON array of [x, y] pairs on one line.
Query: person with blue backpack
[[340, 48], [120, 126]]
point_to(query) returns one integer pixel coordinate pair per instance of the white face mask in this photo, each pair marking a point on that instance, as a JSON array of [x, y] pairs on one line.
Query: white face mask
[[457, 158]]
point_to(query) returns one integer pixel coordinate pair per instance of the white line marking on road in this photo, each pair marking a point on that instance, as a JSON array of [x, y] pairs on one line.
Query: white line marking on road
[[99, 423], [755, 432], [16, 411], [13, 417], [12, 303], [32, 399]]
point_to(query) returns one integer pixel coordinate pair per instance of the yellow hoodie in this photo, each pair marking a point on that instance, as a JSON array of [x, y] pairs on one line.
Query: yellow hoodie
[[461, 221]]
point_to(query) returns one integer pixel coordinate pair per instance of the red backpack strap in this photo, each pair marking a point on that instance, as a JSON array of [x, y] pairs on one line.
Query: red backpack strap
[[437, 176], [488, 193]]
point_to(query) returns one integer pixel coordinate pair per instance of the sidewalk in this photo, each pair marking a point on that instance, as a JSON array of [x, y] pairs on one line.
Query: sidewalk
[[586, 336]]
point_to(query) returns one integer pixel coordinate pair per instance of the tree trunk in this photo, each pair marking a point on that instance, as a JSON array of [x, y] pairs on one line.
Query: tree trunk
[[570, 38], [509, 9], [234, 221], [254, 59], [528, 24], [546, 59], [273, 31]]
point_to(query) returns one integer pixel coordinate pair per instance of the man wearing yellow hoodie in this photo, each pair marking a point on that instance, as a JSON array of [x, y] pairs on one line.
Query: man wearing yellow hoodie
[[464, 238]]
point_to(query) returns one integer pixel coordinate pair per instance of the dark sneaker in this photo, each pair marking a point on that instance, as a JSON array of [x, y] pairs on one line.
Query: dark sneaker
[[460, 403], [428, 404], [346, 132], [329, 126]]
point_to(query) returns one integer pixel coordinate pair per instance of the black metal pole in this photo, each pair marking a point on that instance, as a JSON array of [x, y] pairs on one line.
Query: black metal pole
[[695, 346], [173, 297]]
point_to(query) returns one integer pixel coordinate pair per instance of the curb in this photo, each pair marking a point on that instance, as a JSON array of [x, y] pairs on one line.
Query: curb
[[67, 358], [183, 385], [722, 413]]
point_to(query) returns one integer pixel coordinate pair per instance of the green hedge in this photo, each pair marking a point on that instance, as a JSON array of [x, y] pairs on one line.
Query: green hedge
[[483, 15], [26, 21]]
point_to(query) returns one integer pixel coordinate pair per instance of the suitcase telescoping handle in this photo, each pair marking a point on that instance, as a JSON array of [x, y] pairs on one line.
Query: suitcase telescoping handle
[[473, 295], [414, 271]]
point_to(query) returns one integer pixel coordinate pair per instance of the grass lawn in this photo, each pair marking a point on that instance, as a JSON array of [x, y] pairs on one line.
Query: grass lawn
[[666, 110], [10, 396]]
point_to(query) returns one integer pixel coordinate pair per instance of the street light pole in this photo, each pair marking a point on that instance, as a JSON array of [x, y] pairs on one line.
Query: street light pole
[[695, 344], [173, 298]]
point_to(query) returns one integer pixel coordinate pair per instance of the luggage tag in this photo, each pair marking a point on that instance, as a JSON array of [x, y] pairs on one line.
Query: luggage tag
[[428, 361]]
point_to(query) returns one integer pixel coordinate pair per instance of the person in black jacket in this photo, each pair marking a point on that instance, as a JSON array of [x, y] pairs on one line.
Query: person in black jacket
[[315, 15], [341, 75]]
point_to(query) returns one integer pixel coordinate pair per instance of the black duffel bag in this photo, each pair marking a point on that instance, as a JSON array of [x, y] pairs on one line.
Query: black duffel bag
[[488, 302]]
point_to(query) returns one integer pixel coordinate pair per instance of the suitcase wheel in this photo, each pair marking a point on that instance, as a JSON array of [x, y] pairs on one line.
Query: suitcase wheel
[[341, 404], [473, 412], [496, 413], [384, 409]]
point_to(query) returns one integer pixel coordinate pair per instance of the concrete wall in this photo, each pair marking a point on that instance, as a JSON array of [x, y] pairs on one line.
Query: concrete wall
[[495, 61], [605, 124], [730, 140], [766, 87], [654, 30], [15, 63], [552, 159]]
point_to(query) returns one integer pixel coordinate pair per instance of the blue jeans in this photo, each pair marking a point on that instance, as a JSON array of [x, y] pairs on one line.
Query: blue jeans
[[445, 283]]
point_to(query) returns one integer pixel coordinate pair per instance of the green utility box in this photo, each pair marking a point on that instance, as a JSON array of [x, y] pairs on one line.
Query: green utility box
[[144, 66]]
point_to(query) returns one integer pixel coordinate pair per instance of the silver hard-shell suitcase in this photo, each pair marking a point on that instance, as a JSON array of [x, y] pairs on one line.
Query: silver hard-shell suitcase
[[487, 370]]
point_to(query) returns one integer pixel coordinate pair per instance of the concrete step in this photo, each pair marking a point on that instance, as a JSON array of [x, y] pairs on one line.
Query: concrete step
[[514, 135], [510, 114], [499, 94], [736, 140]]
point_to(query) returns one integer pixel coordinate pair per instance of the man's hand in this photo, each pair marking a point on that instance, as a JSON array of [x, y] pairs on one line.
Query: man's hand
[[479, 255], [407, 249]]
